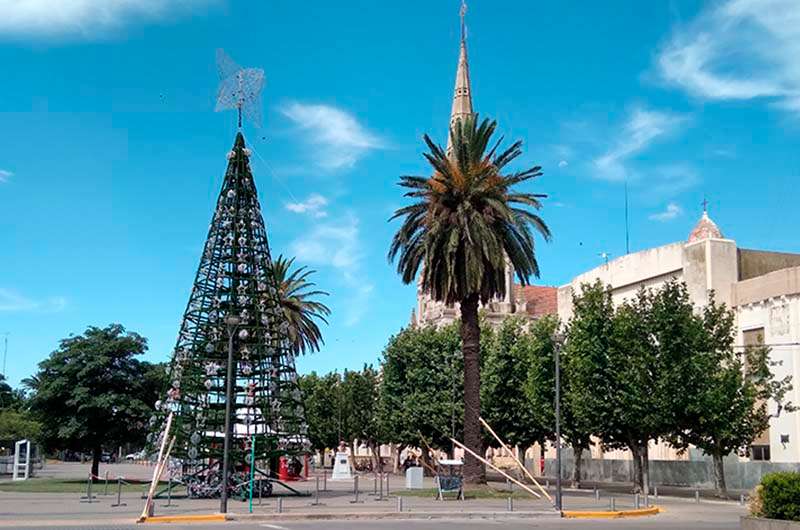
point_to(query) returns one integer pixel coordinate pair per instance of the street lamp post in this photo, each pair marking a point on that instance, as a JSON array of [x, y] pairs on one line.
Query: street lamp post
[[232, 321], [558, 422]]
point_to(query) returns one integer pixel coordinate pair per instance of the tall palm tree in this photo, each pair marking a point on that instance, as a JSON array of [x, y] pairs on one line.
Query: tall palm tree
[[466, 220], [299, 307]]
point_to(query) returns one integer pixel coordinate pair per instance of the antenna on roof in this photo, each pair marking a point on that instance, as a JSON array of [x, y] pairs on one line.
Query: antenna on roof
[[239, 88], [627, 230]]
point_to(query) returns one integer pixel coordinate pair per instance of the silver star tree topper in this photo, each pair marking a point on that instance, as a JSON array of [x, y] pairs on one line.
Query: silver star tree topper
[[239, 88]]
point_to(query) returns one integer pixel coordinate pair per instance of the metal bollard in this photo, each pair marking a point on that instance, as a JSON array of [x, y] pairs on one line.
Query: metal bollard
[[119, 494], [387, 484], [613, 504], [355, 491], [399, 503], [547, 484], [375, 484], [260, 491], [741, 499], [596, 494], [89, 495], [316, 493], [105, 490], [169, 492], [655, 492], [510, 504], [697, 496], [380, 491], [636, 501], [279, 507], [324, 480]]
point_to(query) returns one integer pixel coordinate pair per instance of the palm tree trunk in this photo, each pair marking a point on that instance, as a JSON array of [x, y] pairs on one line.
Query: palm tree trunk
[[474, 472]]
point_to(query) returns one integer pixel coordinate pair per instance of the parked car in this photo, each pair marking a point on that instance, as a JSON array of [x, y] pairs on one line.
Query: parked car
[[138, 455]]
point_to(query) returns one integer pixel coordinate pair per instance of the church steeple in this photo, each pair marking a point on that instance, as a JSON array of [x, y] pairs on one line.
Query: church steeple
[[462, 97]]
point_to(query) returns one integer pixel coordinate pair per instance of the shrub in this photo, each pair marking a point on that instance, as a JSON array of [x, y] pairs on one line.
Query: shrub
[[780, 496]]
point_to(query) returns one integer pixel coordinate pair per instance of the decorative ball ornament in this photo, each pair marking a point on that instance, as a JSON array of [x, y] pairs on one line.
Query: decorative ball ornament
[[243, 334]]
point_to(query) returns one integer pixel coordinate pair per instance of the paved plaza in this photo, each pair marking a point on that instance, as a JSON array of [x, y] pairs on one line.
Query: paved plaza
[[32, 510]]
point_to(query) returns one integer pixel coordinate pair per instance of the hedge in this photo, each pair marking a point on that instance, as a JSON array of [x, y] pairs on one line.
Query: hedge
[[780, 496]]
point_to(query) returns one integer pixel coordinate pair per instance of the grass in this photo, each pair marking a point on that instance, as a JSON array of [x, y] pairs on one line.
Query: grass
[[470, 492], [54, 485]]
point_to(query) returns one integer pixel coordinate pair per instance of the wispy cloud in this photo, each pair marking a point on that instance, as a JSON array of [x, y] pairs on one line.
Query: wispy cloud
[[5, 175], [642, 128], [738, 50], [314, 206], [670, 212], [339, 140], [85, 18], [12, 301], [336, 243], [563, 164]]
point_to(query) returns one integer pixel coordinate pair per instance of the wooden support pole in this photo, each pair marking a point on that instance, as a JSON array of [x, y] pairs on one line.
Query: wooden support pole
[[486, 462], [516, 461]]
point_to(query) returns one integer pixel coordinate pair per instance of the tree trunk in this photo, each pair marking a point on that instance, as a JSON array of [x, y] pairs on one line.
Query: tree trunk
[[637, 467], [97, 452], [646, 469], [474, 472], [719, 476], [576, 475]]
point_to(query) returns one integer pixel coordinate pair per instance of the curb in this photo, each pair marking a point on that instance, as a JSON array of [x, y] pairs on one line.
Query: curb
[[200, 518], [618, 514], [275, 517]]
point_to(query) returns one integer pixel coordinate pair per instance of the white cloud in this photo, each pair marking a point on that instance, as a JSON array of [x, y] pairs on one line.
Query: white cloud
[[337, 244], [738, 50], [338, 138], [314, 206], [86, 18], [563, 164], [642, 129], [5, 175], [671, 212], [12, 301]]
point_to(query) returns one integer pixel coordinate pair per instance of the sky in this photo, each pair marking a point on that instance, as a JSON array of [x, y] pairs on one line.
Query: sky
[[111, 154]]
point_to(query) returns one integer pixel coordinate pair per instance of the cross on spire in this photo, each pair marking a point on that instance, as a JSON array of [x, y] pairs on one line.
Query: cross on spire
[[463, 14], [705, 204]]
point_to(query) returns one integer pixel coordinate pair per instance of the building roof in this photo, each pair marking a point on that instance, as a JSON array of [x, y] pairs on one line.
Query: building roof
[[705, 229], [541, 299]]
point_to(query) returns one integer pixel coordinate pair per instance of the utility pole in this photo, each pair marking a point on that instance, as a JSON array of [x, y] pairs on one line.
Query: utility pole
[[232, 321], [558, 422]]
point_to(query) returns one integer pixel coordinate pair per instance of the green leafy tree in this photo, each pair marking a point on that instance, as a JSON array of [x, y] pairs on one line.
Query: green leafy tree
[[419, 394], [359, 390], [540, 392], [729, 407], [466, 221], [94, 393], [15, 425], [297, 298], [7, 396], [504, 403], [321, 402]]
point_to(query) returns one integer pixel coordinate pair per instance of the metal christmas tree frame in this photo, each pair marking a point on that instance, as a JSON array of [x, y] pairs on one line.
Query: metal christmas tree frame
[[234, 279]]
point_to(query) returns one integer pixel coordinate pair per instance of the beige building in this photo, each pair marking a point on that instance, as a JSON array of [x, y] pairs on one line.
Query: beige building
[[530, 301], [762, 288]]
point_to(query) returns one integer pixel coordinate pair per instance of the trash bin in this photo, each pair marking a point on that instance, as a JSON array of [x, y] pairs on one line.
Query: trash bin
[[414, 476]]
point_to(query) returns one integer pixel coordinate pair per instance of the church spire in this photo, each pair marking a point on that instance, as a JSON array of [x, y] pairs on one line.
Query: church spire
[[462, 98]]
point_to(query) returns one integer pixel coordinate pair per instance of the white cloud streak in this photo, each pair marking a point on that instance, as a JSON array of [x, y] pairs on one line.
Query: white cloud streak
[[337, 244], [314, 206], [5, 175], [339, 140], [86, 18], [670, 212], [12, 302], [642, 128], [738, 50]]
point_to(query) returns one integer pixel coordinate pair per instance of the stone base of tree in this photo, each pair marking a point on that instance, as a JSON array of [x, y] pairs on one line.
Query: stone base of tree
[[759, 523]]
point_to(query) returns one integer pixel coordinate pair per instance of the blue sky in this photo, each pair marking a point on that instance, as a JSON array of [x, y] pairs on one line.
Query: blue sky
[[111, 155]]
